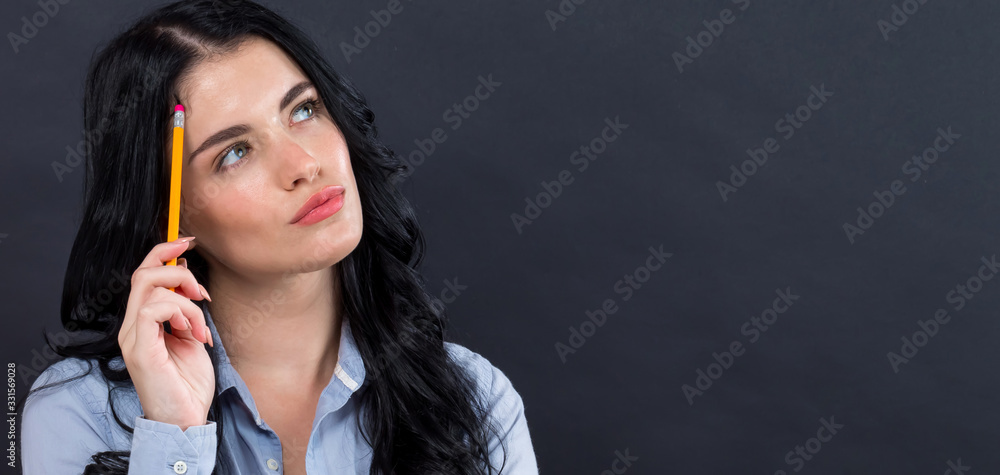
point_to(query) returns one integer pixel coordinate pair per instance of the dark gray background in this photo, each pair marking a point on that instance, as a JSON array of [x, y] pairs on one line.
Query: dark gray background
[[654, 185]]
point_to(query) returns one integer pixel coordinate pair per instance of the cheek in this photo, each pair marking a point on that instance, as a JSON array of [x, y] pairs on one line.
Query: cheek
[[198, 197], [329, 143], [240, 208], [216, 201], [340, 159]]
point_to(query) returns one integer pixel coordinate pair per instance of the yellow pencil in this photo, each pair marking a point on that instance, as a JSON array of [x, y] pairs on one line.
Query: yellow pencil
[[173, 218]]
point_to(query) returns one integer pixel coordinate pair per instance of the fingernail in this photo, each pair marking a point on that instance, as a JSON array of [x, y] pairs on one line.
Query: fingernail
[[208, 336], [183, 262], [204, 293], [186, 242]]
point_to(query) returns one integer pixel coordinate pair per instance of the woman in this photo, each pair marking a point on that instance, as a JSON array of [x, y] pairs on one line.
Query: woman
[[318, 351]]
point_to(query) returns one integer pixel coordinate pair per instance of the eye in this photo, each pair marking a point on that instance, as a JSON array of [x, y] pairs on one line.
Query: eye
[[235, 153], [305, 111]]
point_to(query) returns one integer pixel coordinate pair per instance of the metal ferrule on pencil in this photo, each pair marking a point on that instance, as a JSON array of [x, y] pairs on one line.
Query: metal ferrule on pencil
[[178, 118]]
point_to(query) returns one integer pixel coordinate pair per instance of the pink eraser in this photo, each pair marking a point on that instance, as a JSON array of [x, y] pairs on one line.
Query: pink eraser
[[178, 107]]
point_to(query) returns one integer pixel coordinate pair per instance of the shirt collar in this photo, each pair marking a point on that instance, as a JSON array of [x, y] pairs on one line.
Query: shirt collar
[[348, 374]]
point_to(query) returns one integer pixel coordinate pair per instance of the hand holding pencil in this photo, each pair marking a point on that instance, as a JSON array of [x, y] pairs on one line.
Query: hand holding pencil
[[172, 372]]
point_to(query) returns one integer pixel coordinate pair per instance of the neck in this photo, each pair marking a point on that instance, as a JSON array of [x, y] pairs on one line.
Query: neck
[[284, 331]]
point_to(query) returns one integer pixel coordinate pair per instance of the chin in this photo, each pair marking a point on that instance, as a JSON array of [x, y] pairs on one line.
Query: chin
[[329, 248]]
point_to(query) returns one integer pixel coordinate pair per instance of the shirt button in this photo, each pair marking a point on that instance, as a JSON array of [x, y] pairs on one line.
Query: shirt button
[[272, 464], [180, 467], [257, 421]]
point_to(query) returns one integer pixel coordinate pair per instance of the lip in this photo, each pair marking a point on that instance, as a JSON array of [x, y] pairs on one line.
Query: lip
[[323, 204]]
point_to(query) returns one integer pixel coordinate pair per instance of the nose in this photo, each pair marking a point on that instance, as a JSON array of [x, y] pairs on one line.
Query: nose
[[296, 165]]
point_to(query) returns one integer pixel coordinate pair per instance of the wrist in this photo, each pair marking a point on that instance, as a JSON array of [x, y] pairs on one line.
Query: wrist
[[183, 424]]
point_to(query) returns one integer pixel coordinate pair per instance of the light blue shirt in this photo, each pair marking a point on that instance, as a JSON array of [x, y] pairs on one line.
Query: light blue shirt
[[64, 425]]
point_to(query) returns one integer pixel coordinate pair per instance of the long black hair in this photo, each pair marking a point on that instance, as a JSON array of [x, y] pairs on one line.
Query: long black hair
[[422, 414]]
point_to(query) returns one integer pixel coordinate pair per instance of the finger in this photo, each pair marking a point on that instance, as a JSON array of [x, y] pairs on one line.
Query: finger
[[150, 322], [169, 277], [165, 251], [194, 317], [157, 256], [149, 314], [146, 279], [204, 335], [183, 334]]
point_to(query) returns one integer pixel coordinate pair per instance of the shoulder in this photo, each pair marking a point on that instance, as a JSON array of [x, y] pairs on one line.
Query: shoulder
[[491, 381], [67, 418], [71, 376], [62, 402], [510, 442], [494, 388], [72, 388]]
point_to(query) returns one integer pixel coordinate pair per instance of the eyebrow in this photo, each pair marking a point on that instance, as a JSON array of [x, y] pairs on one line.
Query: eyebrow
[[242, 129]]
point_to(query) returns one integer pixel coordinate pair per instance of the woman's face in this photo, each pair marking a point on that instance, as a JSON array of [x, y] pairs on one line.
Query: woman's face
[[240, 191]]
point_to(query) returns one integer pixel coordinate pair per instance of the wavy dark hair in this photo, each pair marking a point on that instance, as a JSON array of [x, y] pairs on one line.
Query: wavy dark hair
[[421, 408]]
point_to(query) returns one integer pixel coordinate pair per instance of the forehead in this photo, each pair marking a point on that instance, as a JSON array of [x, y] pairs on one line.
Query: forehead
[[254, 72]]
